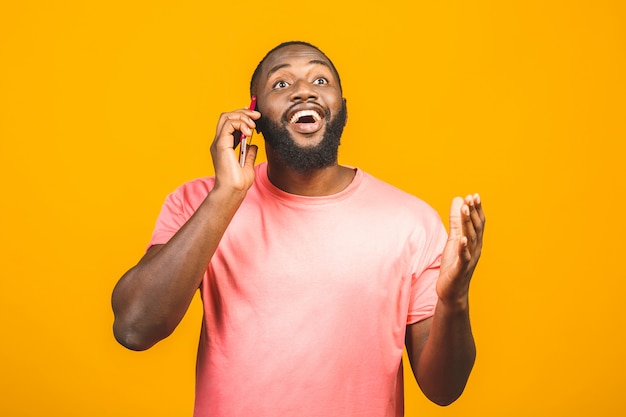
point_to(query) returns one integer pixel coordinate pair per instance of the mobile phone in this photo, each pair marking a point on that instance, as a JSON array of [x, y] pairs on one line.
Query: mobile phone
[[243, 143]]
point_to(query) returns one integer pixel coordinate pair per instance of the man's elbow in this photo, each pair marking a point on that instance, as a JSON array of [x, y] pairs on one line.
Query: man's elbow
[[445, 397], [444, 400], [130, 338]]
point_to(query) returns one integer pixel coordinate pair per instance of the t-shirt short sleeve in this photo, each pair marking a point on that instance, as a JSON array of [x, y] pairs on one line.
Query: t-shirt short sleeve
[[179, 206], [423, 297], [171, 218]]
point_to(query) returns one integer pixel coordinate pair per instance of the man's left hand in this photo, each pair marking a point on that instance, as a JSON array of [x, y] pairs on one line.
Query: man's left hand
[[462, 251]]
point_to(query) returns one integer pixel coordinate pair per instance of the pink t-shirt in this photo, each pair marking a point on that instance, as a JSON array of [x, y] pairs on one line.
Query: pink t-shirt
[[307, 299]]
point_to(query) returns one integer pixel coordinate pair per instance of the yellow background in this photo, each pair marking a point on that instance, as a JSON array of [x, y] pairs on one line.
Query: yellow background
[[106, 106]]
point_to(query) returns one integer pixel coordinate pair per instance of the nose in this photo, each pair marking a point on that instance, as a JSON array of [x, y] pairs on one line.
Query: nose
[[303, 91]]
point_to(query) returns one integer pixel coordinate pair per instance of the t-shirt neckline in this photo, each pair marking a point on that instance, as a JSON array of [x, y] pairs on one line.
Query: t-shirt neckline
[[261, 174]]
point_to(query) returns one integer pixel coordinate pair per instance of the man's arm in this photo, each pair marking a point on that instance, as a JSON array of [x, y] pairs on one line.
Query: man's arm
[[152, 297], [441, 349]]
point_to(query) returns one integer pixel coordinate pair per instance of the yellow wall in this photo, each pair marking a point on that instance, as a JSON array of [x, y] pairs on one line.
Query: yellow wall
[[107, 106]]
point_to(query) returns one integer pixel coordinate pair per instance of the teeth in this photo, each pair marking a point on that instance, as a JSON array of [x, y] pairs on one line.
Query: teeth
[[304, 113]]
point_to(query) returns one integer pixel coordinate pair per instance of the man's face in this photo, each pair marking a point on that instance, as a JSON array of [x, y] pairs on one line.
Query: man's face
[[303, 112]]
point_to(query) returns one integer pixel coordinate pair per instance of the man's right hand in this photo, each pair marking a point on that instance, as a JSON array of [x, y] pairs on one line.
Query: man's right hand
[[228, 172]]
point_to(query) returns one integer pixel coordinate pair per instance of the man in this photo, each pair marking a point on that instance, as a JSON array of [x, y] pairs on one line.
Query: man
[[313, 275]]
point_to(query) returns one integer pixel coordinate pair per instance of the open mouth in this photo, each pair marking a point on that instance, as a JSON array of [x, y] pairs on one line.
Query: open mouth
[[306, 120], [305, 116]]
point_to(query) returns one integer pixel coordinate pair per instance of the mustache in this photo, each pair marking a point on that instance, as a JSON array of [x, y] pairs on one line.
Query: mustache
[[262, 122]]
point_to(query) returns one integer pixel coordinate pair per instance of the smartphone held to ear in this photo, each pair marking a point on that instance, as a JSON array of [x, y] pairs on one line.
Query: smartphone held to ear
[[243, 142]]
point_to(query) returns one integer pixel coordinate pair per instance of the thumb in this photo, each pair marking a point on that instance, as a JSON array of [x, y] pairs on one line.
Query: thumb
[[456, 225], [251, 155]]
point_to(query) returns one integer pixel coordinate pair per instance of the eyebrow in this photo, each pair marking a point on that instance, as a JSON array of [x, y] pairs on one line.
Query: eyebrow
[[311, 62]]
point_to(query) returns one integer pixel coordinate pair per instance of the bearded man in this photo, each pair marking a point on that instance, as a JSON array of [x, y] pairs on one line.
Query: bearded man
[[314, 276]]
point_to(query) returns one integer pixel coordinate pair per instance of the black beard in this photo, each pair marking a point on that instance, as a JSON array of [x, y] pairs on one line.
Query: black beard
[[305, 159]]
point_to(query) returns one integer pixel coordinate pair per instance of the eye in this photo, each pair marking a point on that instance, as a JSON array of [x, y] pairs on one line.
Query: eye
[[320, 81], [281, 84]]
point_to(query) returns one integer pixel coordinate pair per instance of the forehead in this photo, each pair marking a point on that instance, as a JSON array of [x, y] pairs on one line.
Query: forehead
[[293, 56]]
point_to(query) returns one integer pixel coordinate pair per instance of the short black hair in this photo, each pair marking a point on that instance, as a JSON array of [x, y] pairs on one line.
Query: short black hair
[[257, 71]]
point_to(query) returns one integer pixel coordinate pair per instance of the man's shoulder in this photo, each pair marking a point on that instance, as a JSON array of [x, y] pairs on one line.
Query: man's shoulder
[[193, 191], [197, 184], [396, 205], [389, 193]]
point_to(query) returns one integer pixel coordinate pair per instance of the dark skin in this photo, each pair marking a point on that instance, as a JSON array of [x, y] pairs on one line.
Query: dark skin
[[152, 297], [305, 80]]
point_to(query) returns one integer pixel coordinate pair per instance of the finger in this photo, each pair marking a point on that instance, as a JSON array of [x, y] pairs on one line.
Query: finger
[[230, 128], [476, 215], [468, 226], [479, 210], [239, 116], [456, 226], [239, 124], [464, 251]]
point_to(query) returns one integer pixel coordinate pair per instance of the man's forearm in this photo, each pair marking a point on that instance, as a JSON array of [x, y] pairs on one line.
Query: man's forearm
[[152, 297], [448, 356]]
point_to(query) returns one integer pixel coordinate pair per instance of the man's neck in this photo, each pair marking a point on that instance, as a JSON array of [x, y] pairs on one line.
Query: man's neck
[[315, 183]]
